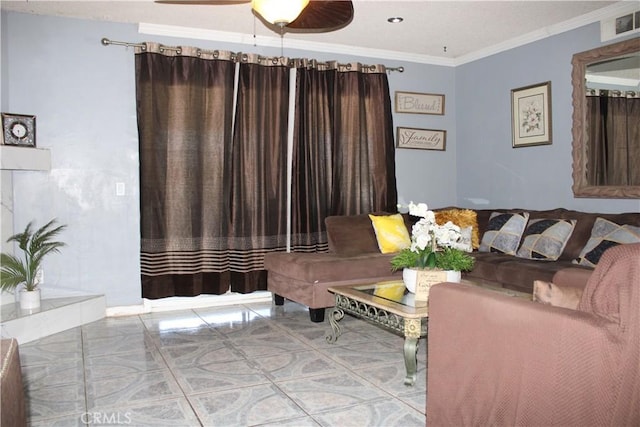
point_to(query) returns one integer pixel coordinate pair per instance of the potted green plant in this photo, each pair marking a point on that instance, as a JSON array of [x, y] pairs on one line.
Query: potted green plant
[[23, 272], [433, 246], [445, 259]]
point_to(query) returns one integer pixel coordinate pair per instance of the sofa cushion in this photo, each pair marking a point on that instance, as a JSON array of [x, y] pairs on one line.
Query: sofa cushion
[[512, 272], [391, 233], [545, 239], [353, 234], [485, 266], [328, 267], [519, 273], [575, 276], [604, 235], [504, 232]]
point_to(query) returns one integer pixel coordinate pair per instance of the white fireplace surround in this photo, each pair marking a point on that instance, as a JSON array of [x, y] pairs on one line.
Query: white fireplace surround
[[14, 158]]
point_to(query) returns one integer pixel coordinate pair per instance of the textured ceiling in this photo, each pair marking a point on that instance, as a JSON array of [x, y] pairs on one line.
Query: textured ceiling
[[441, 29]]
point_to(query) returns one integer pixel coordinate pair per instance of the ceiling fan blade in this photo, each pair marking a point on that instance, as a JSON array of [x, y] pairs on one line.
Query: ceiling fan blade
[[323, 16], [319, 15]]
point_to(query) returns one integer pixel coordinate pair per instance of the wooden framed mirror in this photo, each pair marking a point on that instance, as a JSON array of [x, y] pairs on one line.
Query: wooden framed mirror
[[584, 183]]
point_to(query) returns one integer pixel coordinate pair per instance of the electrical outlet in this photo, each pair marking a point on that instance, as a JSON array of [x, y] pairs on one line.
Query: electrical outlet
[[120, 189], [40, 276]]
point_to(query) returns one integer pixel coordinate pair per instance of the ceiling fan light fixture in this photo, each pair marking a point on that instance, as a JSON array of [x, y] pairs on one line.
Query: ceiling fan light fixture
[[279, 12]]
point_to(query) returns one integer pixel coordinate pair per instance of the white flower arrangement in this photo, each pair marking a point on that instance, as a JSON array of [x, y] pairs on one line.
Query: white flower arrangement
[[433, 245], [427, 233]]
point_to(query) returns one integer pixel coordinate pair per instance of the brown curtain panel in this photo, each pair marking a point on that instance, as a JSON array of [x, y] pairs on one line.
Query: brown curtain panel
[[214, 187], [184, 108], [259, 176], [312, 158], [364, 173], [343, 147], [613, 132]]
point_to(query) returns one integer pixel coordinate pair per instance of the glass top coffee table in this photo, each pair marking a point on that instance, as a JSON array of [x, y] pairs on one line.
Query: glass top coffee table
[[388, 304]]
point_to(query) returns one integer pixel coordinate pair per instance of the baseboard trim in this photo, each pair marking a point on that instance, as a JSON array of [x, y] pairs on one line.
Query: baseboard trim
[[186, 303]]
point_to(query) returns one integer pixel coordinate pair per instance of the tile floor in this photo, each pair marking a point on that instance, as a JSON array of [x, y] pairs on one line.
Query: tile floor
[[243, 365]]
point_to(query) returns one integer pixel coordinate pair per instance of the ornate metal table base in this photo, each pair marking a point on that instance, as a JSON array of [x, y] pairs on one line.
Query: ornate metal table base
[[412, 329], [336, 315]]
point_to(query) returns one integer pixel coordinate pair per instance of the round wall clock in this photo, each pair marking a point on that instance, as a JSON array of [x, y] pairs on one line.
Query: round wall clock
[[19, 129]]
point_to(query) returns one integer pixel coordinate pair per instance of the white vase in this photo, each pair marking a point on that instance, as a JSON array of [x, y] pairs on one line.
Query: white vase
[[409, 276], [29, 300]]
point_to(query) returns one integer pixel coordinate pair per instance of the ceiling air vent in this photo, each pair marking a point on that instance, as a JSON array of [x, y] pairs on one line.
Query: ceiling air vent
[[623, 25]]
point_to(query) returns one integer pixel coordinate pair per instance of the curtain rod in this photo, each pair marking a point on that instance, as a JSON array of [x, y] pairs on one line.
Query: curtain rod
[[612, 92], [106, 42]]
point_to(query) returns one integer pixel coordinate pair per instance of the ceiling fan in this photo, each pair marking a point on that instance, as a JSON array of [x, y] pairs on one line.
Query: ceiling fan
[[309, 16]]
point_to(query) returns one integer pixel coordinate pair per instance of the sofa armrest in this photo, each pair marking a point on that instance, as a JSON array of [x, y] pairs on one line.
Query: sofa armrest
[[12, 397], [494, 359], [574, 277]]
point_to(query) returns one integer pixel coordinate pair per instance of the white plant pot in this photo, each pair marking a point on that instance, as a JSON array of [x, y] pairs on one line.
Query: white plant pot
[[409, 276], [29, 300]]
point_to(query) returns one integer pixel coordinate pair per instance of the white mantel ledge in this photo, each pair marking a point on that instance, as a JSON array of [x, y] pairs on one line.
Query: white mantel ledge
[[24, 158]]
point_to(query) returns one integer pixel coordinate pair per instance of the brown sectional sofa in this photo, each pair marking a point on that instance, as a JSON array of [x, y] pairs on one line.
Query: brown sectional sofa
[[518, 273], [354, 257]]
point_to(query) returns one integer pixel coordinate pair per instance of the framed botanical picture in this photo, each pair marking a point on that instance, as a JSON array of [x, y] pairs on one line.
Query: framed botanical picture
[[531, 115], [19, 129], [419, 103], [423, 139]]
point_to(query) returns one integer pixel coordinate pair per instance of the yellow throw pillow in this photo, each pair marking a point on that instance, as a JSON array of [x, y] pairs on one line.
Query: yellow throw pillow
[[462, 218], [391, 233], [391, 290]]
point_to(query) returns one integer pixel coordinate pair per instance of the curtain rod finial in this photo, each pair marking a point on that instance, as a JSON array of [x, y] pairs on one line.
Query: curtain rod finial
[[105, 41]]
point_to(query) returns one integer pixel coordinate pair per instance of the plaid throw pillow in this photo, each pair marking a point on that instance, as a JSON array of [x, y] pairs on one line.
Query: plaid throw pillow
[[545, 239], [604, 235], [504, 232]]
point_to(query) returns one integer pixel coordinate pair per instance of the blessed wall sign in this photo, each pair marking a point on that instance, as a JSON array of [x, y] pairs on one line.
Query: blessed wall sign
[[419, 103]]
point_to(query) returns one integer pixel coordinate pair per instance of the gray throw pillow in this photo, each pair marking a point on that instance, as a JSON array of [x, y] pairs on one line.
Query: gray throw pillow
[[503, 232], [606, 234], [545, 239]]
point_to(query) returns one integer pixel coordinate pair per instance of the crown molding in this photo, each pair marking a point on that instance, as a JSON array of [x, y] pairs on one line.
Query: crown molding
[[577, 22], [289, 43], [276, 42]]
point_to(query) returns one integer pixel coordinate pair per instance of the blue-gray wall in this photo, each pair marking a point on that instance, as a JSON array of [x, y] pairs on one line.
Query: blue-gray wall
[[83, 95], [490, 172]]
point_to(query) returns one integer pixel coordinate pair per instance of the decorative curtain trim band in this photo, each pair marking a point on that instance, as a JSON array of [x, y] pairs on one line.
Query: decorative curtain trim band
[[613, 93], [250, 57], [242, 261]]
